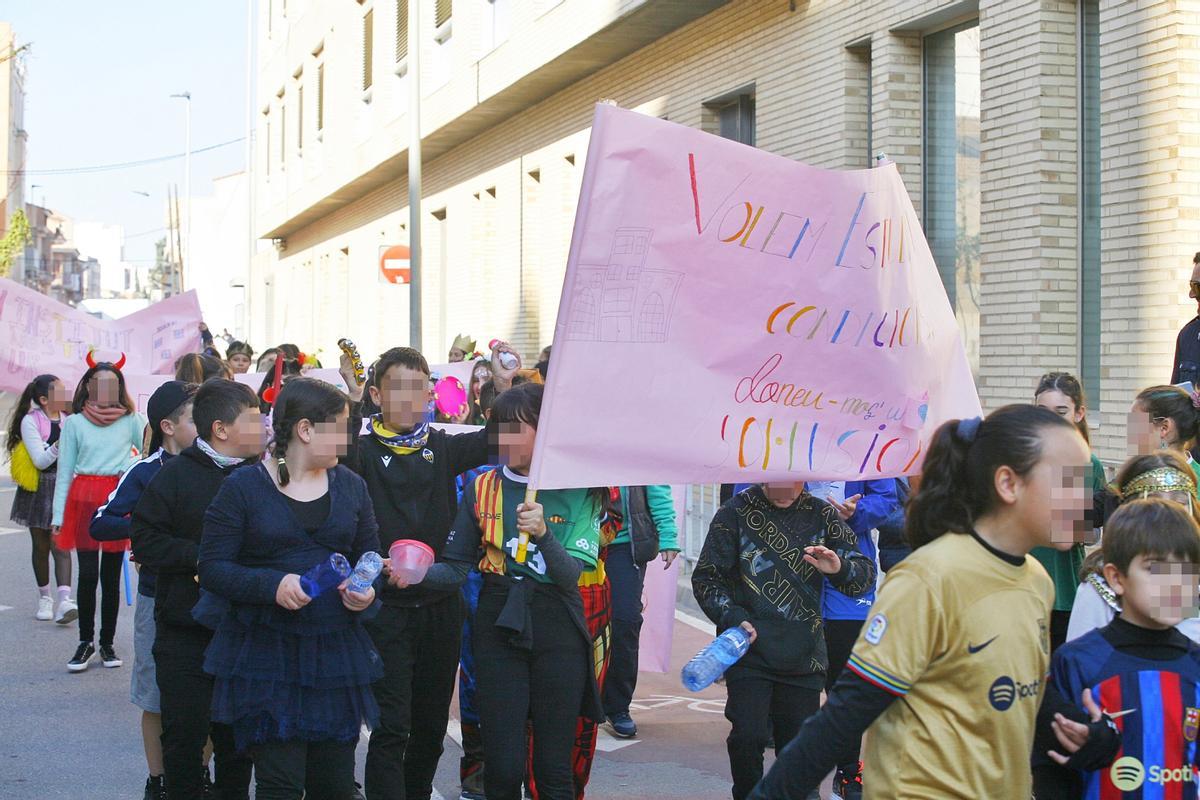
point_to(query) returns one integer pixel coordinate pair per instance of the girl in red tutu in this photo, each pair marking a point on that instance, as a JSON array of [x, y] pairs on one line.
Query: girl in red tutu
[[99, 441]]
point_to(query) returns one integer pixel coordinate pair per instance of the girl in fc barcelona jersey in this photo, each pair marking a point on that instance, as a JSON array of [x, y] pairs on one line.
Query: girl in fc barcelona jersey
[[949, 672], [532, 646]]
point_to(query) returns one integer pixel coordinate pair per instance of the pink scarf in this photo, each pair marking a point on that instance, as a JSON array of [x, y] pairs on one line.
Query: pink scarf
[[103, 416]]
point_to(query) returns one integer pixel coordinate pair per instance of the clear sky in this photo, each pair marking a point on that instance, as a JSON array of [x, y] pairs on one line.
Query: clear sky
[[98, 86]]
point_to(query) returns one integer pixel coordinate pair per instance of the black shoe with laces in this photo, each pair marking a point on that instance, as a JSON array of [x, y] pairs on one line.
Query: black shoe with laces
[[155, 788], [83, 655], [108, 656]]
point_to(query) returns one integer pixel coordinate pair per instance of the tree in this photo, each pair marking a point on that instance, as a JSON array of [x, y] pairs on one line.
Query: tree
[[14, 242]]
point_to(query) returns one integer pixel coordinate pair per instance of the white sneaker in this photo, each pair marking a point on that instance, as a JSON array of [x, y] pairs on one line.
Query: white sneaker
[[67, 612], [45, 610]]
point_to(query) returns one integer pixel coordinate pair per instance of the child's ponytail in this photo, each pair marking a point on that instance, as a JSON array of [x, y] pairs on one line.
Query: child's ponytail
[[942, 502], [38, 387], [1176, 404], [958, 478]]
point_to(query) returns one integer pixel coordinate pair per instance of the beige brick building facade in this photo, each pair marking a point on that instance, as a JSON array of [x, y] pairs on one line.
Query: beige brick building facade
[[1053, 147]]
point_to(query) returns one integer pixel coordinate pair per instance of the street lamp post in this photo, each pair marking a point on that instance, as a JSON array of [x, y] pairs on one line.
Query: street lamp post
[[414, 175], [187, 180]]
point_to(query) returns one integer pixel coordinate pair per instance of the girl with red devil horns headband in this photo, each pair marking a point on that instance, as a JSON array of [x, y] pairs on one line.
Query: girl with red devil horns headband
[[98, 442]]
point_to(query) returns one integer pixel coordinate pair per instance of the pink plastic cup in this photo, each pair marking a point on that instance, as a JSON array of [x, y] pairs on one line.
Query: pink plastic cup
[[410, 559]]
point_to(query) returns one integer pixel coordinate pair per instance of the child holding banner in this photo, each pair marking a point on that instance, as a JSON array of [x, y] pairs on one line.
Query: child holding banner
[[764, 562], [533, 648], [37, 424], [99, 440], [991, 491]]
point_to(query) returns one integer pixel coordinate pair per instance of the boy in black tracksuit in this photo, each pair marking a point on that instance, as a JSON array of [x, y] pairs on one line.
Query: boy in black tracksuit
[[762, 567], [410, 472], [167, 523]]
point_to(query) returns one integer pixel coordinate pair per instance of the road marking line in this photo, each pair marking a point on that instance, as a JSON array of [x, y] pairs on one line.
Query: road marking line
[[607, 743], [6, 608], [694, 622]]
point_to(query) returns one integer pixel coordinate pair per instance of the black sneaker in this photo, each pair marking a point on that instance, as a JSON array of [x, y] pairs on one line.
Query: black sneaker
[[622, 725], [108, 656], [79, 662], [155, 789], [848, 787]]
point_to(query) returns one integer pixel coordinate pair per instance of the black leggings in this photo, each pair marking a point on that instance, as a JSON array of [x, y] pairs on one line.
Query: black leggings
[[105, 569], [309, 770], [545, 685], [42, 551]]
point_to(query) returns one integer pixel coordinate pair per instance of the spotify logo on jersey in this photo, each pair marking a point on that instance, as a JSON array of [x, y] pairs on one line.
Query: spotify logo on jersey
[[1002, 693], [1005, 691], [1127, 774]]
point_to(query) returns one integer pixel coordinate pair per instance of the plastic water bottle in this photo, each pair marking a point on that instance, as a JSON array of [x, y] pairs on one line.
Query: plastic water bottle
[[325, 575], [711, 662], [507, 360], [365, 572]]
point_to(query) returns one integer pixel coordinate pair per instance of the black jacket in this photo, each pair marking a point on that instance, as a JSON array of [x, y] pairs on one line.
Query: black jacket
[[752, 568], [415, 496], [167, 522], [643, 530], [1187, 354]]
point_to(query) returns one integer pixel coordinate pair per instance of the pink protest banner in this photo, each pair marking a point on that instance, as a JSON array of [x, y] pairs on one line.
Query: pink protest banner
[[729, 315], [41, 335], [658, 600]]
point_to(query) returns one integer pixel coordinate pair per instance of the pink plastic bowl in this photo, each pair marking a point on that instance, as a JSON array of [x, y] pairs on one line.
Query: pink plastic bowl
[[410, 559]]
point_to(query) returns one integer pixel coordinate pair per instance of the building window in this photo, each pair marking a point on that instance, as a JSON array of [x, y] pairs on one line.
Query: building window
[[858, 106], [267, 139], [951, 171], [732, 116], [496, 24], [368, 34], [300, 117], [282, 136], [1089, 198], [320, 97], [401, 30], [443, 9]]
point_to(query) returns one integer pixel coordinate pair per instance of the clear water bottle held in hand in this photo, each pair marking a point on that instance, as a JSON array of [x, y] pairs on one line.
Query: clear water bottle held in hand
[[711, 662], [365, 572], [507, 360], [326, 575]]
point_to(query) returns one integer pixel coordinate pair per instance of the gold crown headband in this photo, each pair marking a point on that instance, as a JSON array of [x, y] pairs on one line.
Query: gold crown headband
[[1163, 479]]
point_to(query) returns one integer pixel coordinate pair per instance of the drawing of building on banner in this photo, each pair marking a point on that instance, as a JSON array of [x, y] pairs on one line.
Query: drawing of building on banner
[[622, 301]]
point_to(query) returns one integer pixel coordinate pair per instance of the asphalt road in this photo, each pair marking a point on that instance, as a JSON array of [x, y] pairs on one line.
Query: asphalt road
[[70, 737]]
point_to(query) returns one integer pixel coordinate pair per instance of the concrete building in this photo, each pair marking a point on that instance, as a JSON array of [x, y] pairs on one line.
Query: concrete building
[[1047, 144], [105, 242], [217, 260], [13, 137]]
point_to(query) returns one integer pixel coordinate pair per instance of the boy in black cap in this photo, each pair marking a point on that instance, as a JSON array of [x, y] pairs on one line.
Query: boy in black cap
[[172, 430], [167, 523]]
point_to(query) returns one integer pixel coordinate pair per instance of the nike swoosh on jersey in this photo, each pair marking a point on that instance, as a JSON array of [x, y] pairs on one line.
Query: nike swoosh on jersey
[[973, 648]]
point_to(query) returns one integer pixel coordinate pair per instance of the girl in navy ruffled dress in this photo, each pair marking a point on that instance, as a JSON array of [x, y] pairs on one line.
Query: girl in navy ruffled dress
[[293, 674]]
